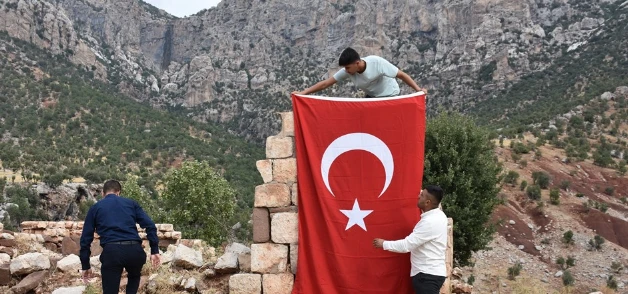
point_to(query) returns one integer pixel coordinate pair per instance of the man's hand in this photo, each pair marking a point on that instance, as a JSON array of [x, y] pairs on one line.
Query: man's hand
[[424, 90], [87, 274], [295, 93], [378, 243], [155, 260]]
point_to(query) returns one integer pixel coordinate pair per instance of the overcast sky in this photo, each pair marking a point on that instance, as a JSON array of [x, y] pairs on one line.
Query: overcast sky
[[182, 8]]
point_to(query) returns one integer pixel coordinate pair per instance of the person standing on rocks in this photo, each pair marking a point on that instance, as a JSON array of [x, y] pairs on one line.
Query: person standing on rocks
[[427, 244], [372, 74], [114, 218]]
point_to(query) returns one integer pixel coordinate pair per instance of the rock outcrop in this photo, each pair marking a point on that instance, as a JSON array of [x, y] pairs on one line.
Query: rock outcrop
[[238, 60]]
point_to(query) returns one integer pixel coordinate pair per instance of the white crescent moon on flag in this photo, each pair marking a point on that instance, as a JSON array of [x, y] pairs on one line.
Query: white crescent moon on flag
[[358, 141]]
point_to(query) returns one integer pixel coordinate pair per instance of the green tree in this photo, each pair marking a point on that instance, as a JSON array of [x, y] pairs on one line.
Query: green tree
[[616, 267], [486, 71], [621, 167], [555, 196], [560, 261], [514, 271], [571, 261], [199, 201], [602, 157], [95, 176], [3, 183], [520, 148], [84, 208], [534, 192], [568, 279], [568, 237], [55, 180], [541, 178], [596, 243], [459, 157], [611, 282], [511, 178], [131, 189], [25, 206], [523, 185], [565, 185]]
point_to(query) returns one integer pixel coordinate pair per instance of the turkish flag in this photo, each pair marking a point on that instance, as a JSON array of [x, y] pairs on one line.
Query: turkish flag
[[359, 174]]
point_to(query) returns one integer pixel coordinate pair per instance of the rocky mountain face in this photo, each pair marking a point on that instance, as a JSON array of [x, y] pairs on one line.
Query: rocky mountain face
[[238, 62]]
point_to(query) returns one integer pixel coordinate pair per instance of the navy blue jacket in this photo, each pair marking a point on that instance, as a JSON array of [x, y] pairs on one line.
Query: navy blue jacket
[[114, 218]]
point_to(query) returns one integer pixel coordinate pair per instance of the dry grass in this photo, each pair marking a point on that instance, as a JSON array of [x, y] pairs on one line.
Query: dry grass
[[167, 278], [149, 269], [93, 289], [8, 174], [162, 281], [527, 285]]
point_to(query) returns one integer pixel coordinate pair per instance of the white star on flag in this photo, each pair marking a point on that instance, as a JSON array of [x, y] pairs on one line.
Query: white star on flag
[[356, 216]]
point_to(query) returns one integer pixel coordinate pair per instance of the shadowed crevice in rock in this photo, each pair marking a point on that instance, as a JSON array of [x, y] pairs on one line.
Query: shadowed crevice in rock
[[167, 48]]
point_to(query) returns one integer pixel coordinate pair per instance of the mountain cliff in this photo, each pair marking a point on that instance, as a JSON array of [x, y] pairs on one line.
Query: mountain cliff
[[237, 63]]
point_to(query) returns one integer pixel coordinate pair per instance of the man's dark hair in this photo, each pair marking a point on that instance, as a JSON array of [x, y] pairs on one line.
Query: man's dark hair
[[435, 191], [112, 186], [348, 56]]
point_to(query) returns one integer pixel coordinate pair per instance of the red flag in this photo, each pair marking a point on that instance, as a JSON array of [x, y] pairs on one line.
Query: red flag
[[359, 173]]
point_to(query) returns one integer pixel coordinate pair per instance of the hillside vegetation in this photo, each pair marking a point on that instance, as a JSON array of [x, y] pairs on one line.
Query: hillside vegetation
[[58, 123], [575, 78]]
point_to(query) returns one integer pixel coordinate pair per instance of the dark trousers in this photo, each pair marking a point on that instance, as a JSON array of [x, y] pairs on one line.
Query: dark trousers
[[116, 257], [427, 284]]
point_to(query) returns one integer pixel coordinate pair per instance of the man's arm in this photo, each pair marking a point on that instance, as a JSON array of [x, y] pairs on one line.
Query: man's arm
[[409, 81], [151, 230], [422, 234], [87, 236], [322, 85]]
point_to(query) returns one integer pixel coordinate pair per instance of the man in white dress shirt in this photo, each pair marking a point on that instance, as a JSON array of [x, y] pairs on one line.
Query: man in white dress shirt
[[427, 244], [372, 74]]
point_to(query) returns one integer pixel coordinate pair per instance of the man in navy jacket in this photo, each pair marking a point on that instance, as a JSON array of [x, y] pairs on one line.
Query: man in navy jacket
[[114, 218]]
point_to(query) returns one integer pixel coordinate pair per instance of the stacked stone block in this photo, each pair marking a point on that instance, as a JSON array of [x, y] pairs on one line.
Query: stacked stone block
[[52, 234], [275, 221]]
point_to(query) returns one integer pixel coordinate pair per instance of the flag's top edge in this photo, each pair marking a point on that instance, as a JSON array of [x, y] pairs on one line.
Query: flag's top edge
[[363, 99]]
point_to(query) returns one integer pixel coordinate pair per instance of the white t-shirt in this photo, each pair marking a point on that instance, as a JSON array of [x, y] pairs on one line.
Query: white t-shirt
[[377, 80]]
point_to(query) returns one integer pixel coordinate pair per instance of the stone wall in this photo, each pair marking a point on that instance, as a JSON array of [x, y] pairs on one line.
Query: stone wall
[[57, 236], [275, 223]]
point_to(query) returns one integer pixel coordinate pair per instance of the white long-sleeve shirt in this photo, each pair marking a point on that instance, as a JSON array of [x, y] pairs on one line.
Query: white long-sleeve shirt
[[427, 244]]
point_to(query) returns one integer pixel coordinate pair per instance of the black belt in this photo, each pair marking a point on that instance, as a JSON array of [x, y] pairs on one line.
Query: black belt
[[125, 242]]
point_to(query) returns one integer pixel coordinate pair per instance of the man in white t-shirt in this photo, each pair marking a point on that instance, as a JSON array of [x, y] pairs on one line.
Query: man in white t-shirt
[[372, 74], [427, 244]]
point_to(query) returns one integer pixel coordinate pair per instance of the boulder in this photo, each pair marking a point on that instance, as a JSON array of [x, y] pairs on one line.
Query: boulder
[[28, 263], [70, 263], [186, 257], [30, 282]]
